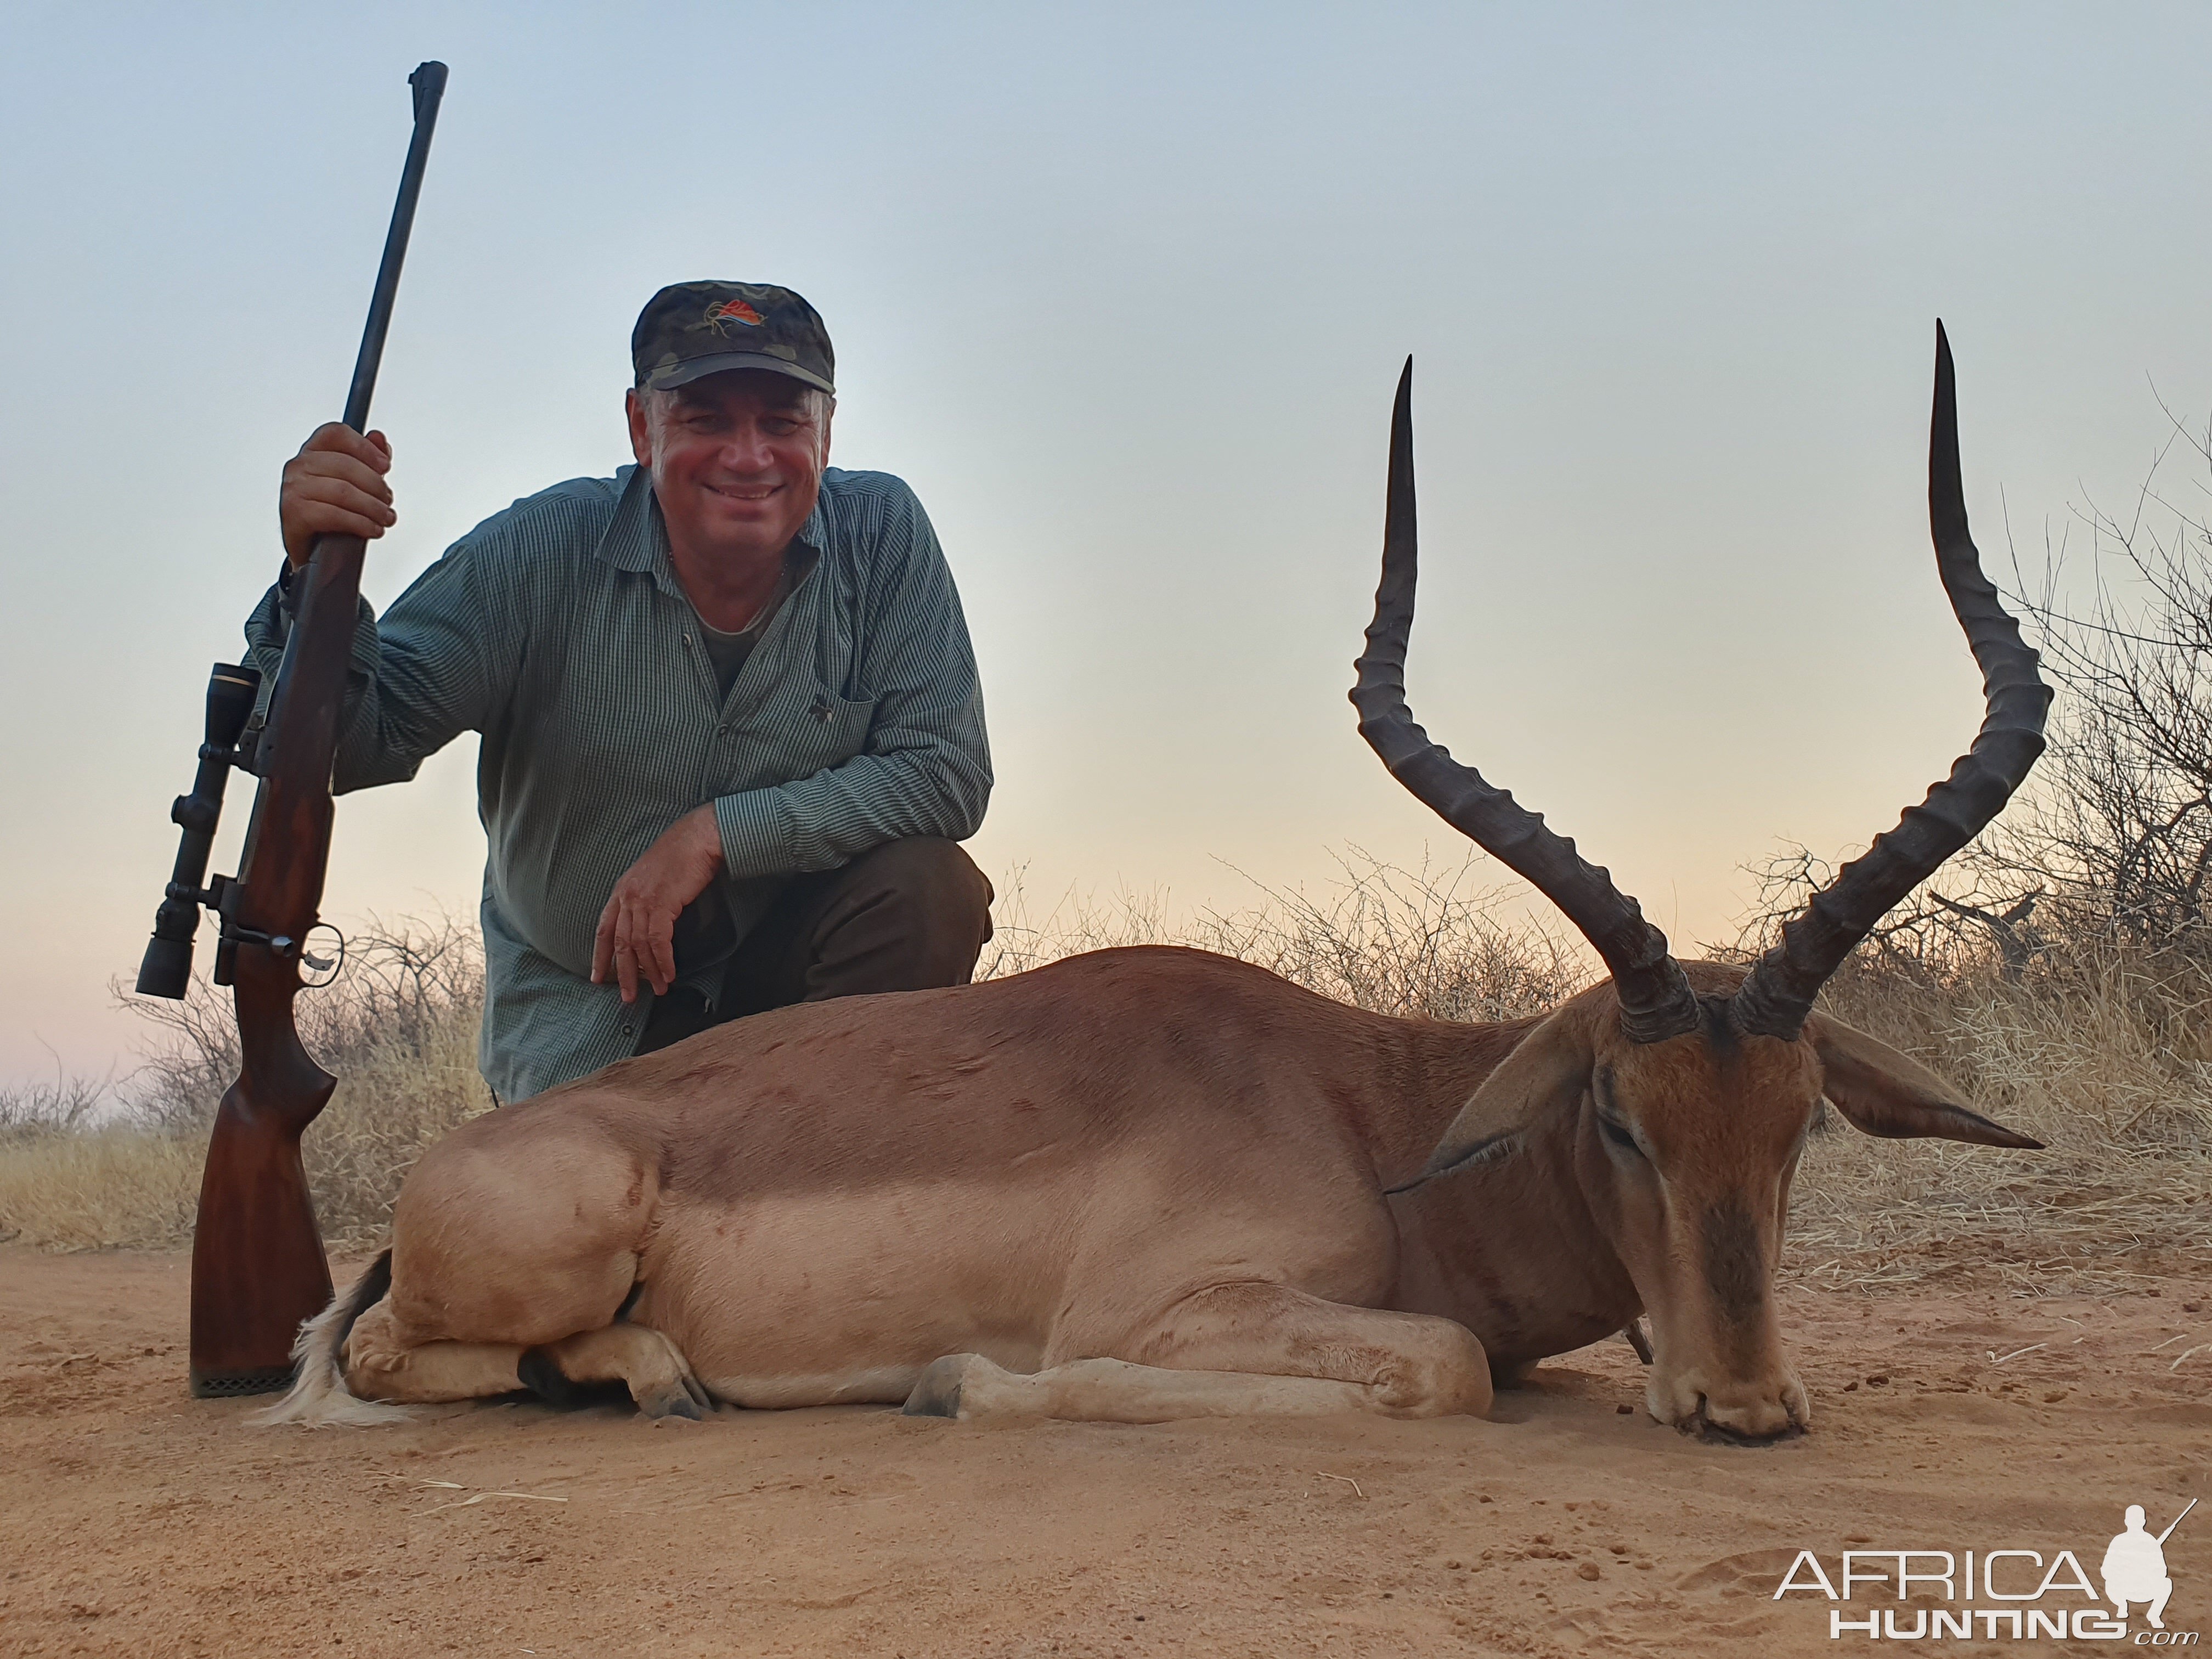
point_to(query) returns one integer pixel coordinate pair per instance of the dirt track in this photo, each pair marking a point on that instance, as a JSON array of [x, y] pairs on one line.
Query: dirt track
[[136, 1520]]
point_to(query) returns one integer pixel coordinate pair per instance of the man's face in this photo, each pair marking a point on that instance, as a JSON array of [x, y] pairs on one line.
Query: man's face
[[736, 460]]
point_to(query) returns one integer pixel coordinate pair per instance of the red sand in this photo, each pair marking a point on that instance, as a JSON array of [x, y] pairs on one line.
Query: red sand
[[134, 1520]]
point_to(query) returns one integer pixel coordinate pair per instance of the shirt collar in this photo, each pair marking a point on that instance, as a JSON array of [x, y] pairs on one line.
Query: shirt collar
[[637, 538]]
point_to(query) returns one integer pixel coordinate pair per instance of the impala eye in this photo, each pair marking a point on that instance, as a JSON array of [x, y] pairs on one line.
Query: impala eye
[[1618, 1135]]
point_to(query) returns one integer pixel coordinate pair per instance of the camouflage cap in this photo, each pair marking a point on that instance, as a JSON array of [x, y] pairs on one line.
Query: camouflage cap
[[690, 330]]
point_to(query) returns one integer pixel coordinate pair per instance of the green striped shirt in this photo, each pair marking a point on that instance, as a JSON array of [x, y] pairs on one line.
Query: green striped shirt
[[557, 631]]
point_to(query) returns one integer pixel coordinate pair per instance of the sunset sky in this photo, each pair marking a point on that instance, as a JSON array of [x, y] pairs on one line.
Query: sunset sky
[[1122, 292]]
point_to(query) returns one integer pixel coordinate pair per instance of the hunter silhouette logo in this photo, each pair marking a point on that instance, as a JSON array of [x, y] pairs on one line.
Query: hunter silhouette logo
[[2134, 1567], [732, 311], [2015, 1595]]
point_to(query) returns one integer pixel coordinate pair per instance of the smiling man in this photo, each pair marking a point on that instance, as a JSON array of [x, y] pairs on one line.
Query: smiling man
[[731, 719]]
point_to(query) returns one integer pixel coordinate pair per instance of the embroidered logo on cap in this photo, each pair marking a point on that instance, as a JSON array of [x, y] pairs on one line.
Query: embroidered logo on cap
[[732, 311]]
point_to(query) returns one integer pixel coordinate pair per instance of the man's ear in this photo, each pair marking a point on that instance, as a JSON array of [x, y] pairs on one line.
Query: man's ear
[[1884, 1093], [641, 428], [1551, 1062]]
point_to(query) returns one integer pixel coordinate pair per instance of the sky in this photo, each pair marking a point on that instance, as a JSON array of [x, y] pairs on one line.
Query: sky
[[1123, 293]]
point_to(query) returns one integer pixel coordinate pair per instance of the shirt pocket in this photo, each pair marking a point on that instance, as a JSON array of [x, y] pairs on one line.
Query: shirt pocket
[[838, 726], [805, 729]]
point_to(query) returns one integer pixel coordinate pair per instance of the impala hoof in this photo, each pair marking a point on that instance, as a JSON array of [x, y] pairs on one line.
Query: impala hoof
[[937, 1394], [676, 1401]]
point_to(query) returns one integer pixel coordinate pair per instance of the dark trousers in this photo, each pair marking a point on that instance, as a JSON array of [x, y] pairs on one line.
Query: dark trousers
[[908, 915]]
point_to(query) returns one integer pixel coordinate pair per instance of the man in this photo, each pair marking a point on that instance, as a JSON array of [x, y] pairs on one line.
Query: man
[[2134, 1568], [731, 719]]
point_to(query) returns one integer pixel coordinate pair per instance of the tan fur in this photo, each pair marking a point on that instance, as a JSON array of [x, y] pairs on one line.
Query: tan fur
[[1153, 1157]]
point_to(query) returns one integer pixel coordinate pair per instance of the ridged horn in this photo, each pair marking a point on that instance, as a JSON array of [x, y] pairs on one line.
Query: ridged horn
[[1778, 993], [1655, 998]]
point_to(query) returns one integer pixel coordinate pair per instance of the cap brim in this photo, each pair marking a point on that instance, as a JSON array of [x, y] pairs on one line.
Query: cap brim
[[697, 368]]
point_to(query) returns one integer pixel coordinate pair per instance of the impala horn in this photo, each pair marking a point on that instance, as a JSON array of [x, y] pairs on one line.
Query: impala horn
[[1778, 993], [1655, 998]]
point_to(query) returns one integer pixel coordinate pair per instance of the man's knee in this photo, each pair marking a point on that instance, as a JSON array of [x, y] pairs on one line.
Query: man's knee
[[909, 915], [932, 882]]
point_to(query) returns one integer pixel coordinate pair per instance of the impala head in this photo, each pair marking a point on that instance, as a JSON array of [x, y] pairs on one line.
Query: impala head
[[1690, 1086]]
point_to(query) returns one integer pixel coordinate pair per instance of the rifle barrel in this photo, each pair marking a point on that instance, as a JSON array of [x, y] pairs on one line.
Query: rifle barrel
[[429, 84], [2178, 1520]]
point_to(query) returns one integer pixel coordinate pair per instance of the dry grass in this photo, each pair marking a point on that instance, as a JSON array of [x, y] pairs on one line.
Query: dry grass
[[1424, 941], [71, 1178], [399, 1030], [111, 1188], [2100, 1050]]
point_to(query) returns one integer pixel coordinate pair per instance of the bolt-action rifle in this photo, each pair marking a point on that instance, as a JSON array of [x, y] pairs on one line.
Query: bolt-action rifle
[[258, 1264]]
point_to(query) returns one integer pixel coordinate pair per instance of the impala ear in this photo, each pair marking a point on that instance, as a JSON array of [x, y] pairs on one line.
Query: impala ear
[[1885, 1093], [1553, 1061]]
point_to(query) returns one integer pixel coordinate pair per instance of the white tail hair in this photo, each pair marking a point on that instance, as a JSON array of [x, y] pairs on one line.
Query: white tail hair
[[319, 1395]]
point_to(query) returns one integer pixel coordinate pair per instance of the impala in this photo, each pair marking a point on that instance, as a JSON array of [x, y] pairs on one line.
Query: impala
[[1150, 1183]]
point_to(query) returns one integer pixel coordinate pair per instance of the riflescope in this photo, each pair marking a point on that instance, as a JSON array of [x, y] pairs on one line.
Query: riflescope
[[167, 970]]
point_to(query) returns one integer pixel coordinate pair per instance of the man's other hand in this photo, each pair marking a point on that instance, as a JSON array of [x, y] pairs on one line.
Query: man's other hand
[[639, 924], [335, 486]]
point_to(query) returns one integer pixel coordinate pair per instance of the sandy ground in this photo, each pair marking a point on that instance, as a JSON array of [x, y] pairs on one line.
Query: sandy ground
[[134, 1520]]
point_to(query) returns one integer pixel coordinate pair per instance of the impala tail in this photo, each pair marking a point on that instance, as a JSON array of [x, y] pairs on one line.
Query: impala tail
[[319, 1395]]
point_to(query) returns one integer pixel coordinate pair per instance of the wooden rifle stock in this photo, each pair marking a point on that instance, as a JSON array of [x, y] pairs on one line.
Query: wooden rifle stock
[[258, 1270]]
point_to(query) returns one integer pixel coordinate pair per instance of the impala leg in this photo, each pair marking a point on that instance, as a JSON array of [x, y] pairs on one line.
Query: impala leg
[[1243, 1350], [968, 1387], [640, 1357], [382, 1364]]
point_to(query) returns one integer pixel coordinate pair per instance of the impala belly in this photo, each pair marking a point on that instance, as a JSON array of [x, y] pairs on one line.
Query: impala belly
[[825, 1297]]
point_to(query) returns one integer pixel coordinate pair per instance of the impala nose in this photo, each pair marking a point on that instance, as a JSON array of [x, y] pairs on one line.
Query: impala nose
[[1753, 1409], [1751, 1414]]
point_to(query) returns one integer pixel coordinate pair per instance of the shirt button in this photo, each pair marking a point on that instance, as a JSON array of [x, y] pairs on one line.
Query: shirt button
[[629, 1030]]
